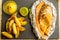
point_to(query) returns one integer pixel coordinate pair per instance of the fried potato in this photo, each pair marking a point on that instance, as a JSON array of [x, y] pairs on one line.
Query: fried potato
[[12, 16], [7, 26], [17, 35], [14, 25], [7, 35], [22, 29], [10, 25], [21, 19], [18, 24], [23, 23], [14, 28]]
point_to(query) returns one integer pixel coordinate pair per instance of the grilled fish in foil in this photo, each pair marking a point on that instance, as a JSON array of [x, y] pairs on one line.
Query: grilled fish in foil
[[43, 18]]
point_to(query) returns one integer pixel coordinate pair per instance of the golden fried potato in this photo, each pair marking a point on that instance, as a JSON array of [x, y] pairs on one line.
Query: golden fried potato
[[17, 35], [14, 28], [22, 29], [14, 25], [18, 24], [21, 19], [7, 26], [10, 25], [12, 16], [23, 23], [7, 35]]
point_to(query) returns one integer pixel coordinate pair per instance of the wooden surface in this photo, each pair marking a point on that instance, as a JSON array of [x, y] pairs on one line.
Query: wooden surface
[[0, 15], [59, 17]]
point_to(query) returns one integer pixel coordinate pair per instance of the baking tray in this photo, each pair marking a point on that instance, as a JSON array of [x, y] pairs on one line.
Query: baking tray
[[28, 33]]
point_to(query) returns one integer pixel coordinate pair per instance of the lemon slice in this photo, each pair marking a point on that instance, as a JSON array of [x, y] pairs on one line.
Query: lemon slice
[[10, 7], [23, 11]]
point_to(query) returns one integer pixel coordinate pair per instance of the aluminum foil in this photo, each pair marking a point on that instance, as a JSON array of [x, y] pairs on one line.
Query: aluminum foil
[[33, 21]]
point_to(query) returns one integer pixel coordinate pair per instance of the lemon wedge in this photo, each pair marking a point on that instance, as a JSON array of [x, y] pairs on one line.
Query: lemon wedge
[[23, 11], [10, 7]]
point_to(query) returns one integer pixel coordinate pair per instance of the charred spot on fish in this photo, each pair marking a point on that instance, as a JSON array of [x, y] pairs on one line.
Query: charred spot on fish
[[46, 34]]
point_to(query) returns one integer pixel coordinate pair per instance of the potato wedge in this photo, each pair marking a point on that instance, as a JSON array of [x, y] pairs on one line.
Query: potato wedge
[[23, 23], [7, 35], [22, 29], [18, 24], [21, 19], [17, 35], [7, 26], [10, 25], [14, 28], [12, 16]]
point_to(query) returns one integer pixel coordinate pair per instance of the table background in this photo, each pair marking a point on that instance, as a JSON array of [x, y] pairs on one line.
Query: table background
[[28, 34]]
